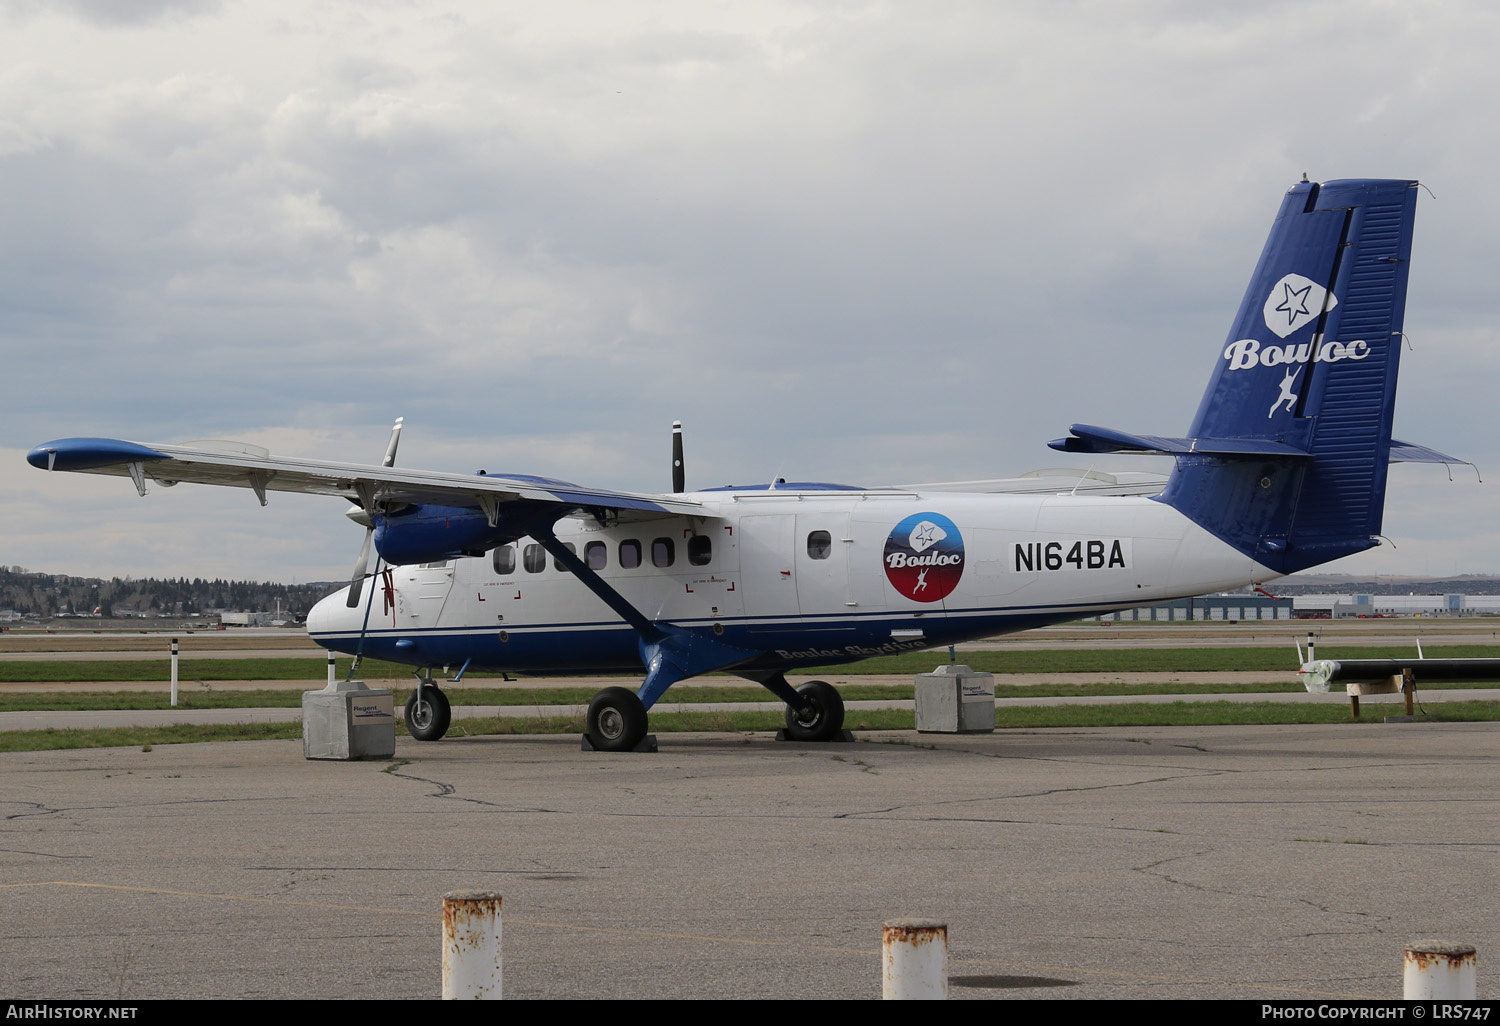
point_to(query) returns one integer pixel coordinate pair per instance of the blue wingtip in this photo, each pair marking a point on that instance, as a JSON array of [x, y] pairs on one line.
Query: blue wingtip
[[89, 454]]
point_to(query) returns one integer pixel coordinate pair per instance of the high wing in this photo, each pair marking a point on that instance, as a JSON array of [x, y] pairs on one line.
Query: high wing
[[244, 466], [1054, 481]]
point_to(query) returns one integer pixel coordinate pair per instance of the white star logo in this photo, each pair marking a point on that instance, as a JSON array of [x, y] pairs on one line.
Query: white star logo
[[925, 535], [1295, 301]]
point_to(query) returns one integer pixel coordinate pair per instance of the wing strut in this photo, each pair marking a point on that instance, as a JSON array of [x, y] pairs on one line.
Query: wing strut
[[671, 653]]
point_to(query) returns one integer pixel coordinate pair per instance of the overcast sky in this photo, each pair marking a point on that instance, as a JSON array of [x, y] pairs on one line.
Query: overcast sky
[[858, 242]]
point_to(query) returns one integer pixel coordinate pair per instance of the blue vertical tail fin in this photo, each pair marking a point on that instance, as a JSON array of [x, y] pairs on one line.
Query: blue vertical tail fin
[[1286, 458]]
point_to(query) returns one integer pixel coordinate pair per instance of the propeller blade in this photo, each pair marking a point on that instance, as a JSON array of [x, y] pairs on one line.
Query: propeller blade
[[357, 580], [390, 448], [679, 472]]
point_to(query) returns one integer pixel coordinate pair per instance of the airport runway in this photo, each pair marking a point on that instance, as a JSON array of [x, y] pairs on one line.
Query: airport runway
[[1206, 862]]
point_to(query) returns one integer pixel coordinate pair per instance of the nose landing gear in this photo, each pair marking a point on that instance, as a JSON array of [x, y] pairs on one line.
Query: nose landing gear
[[428, 711]]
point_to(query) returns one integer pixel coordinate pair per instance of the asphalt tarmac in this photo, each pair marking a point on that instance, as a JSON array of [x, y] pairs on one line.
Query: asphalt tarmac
[[115, 718], [1288, 863]]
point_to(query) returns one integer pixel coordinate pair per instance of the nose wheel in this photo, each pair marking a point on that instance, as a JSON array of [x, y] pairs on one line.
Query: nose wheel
[[428, 712]]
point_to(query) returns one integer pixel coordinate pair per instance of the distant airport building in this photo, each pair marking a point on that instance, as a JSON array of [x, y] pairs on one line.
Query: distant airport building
[[1237, 607], [1340, 606], [229, 619], [1210, 607]]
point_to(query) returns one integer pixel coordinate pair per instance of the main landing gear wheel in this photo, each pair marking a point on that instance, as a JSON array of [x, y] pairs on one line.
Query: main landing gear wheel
[[616, 720], [428, 719], [823, 720]]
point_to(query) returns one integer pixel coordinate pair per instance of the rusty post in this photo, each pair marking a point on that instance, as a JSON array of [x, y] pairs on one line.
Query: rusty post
[[1409, 688], [1440, 970], [471, 946], [914, 960]]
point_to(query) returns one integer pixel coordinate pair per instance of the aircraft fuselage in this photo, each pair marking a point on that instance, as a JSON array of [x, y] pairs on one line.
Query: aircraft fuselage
[[803, 578]]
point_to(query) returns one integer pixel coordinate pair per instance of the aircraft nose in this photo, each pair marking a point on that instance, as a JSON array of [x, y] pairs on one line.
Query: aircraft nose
[[332, 615]]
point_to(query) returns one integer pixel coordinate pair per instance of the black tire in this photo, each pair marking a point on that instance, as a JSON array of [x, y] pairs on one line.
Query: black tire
[[823, 721], [616, 720], [431, 720]]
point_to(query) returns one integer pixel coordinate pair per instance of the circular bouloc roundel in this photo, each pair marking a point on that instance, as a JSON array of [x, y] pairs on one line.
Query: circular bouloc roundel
[[924, 557]]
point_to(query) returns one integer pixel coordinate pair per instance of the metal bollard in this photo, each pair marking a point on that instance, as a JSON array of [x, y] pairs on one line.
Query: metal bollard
[[1439, 970], [331, 674], [471, 946], [174, 673], [914, 957]]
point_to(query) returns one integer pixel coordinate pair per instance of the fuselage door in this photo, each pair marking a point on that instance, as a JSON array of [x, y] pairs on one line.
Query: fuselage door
[[822, 552], [430, 584], [768, 564]]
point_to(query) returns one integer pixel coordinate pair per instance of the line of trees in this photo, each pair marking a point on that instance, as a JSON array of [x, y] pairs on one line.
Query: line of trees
[[36, 594]]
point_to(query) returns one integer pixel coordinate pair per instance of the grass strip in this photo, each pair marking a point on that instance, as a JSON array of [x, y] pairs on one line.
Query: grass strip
[[1103, 661], [197, 698], [189, 671], [1106, 661]]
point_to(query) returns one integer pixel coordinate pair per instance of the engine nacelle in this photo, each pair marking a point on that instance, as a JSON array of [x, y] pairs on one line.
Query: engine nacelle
[[431, 534]]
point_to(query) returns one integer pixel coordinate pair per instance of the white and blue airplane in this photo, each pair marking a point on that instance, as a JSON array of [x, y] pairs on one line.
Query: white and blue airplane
[[1283, 468]]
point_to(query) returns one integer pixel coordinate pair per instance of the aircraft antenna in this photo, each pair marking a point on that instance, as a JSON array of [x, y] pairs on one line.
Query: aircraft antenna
[[1083, 478]]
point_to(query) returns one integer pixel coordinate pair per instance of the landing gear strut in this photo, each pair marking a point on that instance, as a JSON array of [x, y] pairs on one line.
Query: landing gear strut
[[428, 712], [616, 721]]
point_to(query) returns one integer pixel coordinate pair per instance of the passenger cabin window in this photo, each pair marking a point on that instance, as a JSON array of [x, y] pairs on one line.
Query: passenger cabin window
[[700, 550], [534, 559], [819, 544], [557, 563], [630, 554], [663, 552], [595, 555], [504, 560]]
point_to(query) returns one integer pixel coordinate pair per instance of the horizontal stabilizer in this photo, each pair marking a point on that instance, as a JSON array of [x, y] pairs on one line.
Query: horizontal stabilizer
[[1086, 438], [1408, 452], [1054, 481]]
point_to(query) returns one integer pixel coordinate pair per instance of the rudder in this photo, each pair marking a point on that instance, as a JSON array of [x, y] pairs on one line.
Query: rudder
[[1310, 366]]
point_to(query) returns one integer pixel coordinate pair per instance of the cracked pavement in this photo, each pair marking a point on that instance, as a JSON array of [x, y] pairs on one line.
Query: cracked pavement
[[1215, 862]]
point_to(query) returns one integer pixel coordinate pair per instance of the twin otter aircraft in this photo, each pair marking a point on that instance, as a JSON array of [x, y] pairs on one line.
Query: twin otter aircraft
[[1283, 468]]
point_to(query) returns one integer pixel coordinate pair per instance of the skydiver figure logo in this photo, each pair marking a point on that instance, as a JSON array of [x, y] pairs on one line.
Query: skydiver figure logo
[[921, 582], [1287, 395]]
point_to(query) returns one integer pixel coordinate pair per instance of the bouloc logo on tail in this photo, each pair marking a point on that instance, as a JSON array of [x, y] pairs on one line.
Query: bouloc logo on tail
[[1293, 302], [924, 557], [1249, 353]]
